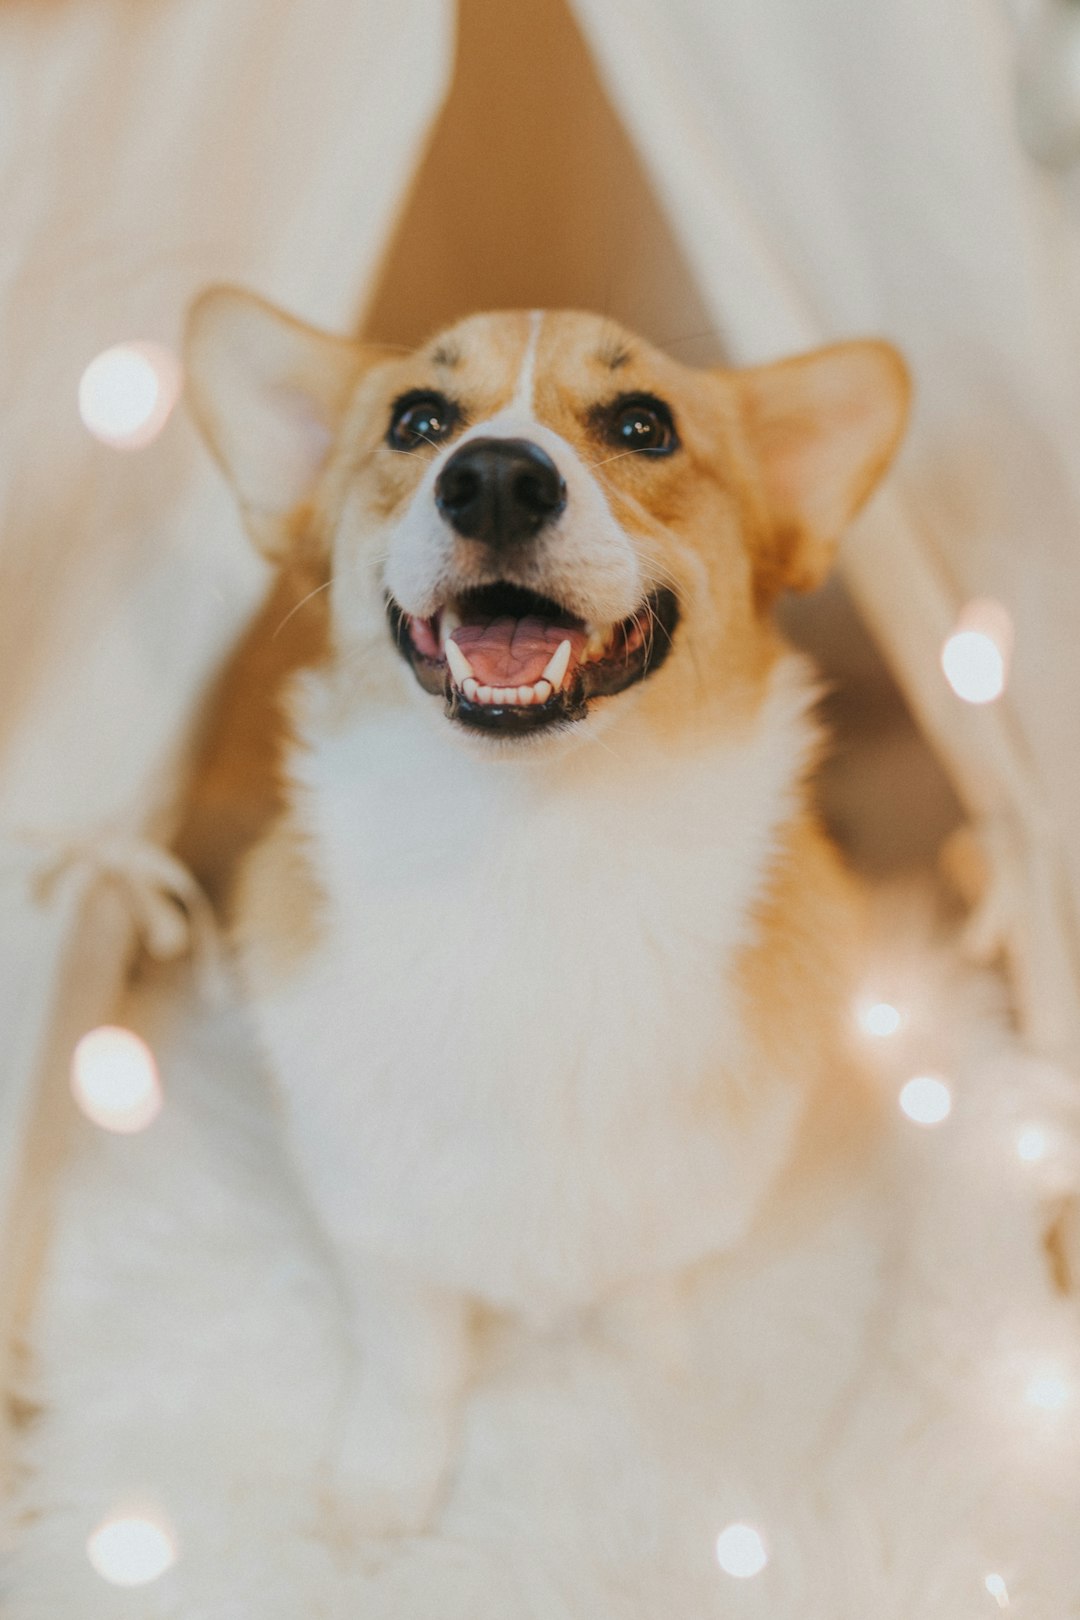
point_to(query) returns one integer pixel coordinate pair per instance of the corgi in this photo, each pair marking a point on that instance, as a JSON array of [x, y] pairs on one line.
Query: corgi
[[548, 954]]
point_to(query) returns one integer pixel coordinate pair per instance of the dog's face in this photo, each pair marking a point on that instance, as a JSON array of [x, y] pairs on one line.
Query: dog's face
[[537, 514]]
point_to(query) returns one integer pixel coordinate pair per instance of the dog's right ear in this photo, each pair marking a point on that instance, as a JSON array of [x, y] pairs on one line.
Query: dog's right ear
[[268, 393]]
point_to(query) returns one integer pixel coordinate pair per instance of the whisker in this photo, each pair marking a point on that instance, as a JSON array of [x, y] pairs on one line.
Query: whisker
[[660, 569], [617, 457], [363, 455], [592, 737], [661, 572], [304, 600], [650, 634]]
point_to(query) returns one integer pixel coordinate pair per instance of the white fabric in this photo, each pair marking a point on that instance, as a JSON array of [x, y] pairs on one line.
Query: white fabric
[[146, 150], [843, 169], [853, 1382]]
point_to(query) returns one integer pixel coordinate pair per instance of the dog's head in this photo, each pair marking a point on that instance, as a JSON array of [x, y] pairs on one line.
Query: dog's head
[[537, 514]]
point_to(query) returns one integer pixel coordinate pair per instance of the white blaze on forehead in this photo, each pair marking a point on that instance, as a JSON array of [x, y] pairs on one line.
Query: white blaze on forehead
[[523, 391]]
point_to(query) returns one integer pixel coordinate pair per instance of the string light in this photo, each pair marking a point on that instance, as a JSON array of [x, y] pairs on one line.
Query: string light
[[741, 1551], [114, 1080], [926, 1100], [131, 1551], [976, 655], [1048, 1390], [879, 1018], [127, 393], [1032, 1144], [997, 1589]]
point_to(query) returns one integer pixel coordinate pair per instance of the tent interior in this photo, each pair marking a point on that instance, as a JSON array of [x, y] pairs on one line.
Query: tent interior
[[528, 169]]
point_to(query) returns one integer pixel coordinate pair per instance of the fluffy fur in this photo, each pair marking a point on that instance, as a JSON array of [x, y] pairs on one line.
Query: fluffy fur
[[549, 1017], [528, 984], [851, 1380]]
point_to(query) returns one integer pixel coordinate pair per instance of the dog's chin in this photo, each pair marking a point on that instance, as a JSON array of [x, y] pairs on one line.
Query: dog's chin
[[513, 667]]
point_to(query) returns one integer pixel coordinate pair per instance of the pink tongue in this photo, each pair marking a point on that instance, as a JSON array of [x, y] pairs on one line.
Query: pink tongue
[[513, 652]]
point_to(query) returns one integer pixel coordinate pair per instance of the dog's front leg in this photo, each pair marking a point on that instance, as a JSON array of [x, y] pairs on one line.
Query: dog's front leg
[[398, 1423]]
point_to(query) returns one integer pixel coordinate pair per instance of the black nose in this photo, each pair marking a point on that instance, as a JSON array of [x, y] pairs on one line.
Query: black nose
[[500, 491]]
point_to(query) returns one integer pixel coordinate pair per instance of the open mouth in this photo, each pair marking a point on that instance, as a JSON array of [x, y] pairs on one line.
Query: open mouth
[[507, 661]]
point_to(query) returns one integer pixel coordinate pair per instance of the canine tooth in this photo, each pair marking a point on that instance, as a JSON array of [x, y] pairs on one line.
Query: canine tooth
[[448, 624], [470, 688], [525, 694], [558, 664], [483, 694], [460, 668]]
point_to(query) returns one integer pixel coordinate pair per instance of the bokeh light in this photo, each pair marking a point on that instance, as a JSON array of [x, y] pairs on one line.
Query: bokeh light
[[926, 1100], [879, 1018], [127, 393], [114, 1079], [131, 1551], [975, 656], [995, 1585], [1032, 1144], [1048, 1390], [741, 1551]]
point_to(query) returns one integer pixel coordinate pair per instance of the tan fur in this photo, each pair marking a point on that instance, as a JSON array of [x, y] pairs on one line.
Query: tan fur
[[236, 790], [796, 984], [720, 519], [277, 905], [437, 1102]]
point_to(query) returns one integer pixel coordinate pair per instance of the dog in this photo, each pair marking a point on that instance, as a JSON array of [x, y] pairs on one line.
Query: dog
[[550, 958]]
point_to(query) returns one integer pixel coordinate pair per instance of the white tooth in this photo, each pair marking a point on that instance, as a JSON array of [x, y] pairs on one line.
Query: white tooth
[[525, 694], [470, 688], [483, 694], [460, 668], [541, 691], [503, 694], [558, 664], [448, 624]]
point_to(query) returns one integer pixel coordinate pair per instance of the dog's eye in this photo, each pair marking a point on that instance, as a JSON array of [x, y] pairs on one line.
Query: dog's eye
[[421, 418], [642, 423]]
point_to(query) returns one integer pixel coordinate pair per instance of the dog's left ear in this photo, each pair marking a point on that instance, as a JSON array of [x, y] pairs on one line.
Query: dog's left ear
[[821, 429], [269, 394]]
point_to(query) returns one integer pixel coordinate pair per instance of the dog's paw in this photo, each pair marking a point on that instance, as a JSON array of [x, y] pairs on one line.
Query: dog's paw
[[390, 1468]]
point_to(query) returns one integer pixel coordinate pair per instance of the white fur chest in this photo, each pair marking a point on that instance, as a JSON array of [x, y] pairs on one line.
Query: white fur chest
[[514, 1063]]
